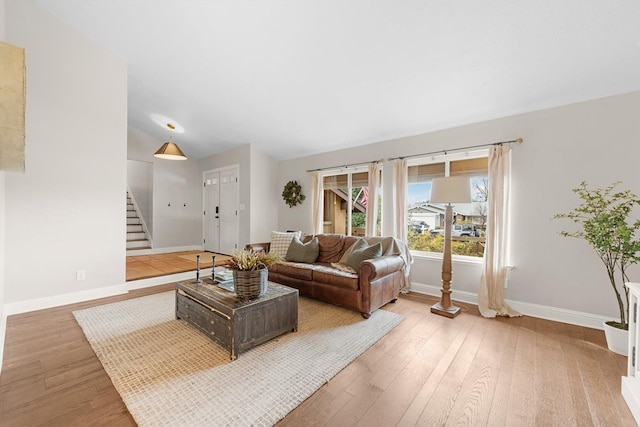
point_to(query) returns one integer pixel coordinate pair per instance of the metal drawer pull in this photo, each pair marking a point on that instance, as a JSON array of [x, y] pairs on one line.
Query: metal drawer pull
[[219, 313]]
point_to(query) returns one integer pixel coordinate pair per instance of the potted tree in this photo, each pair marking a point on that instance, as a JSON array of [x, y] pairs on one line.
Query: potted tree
[[604, 223]]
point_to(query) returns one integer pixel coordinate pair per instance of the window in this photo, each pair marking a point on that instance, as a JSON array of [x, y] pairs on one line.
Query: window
[[426, 220], [346, 197]]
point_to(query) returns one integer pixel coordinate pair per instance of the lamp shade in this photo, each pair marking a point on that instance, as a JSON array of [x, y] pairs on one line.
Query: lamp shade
[[451, 189], [170, 151]]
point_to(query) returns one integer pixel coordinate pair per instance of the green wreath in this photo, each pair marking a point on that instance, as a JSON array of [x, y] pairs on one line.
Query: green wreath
[[292, 194]]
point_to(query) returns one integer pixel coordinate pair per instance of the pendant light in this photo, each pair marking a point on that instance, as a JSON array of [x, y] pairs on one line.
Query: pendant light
[[169, 150]]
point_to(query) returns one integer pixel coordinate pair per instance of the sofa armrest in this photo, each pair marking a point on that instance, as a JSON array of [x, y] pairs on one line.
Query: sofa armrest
[[258, 247], [380, 267]]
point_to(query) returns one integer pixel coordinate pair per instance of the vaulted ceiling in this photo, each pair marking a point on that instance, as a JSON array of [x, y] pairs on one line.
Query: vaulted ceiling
[[308, 76]]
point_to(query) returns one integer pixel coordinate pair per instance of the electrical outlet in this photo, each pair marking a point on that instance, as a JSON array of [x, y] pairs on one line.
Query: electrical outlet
[[81, 275]]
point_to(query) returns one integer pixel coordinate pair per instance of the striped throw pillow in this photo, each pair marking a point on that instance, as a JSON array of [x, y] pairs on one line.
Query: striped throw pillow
[[363, 252]]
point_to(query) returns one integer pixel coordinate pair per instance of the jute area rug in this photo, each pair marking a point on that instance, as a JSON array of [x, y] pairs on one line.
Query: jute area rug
[[170, 374]]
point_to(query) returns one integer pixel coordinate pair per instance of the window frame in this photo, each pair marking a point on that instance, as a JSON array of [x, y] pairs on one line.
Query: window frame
[[349, 171], [446, 158]]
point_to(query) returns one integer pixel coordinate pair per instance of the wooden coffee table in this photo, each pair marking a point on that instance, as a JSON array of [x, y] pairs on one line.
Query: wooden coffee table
[[237, 325]]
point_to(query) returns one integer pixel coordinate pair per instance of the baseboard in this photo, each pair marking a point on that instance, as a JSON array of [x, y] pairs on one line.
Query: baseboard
[[161, 280], [64, 299], [3, 331], [155, 251], [630, 389], [534, 310]]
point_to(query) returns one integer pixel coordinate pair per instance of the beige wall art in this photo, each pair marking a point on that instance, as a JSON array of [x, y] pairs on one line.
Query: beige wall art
[[12, 108]]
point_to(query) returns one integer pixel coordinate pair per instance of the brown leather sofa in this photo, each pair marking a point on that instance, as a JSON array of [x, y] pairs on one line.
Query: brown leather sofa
[[377, 281]]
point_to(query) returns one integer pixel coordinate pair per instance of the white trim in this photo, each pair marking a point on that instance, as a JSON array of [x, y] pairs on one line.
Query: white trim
[[440, 158], [3, 332], [630, 389], [162, 280], [534, 310], [135, 252], [344, 170], [64, 299]]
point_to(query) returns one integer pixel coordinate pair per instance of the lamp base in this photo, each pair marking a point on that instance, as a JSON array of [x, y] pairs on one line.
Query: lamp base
[[450, 312]]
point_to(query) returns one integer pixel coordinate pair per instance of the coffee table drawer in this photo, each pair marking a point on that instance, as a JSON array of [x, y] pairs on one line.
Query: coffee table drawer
[[213, 323]]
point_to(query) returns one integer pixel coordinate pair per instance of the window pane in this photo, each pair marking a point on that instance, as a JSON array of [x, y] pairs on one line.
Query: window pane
[[469, 166], [359, 202], [335, 204], [337, 196], [426, 219], [424, 173]]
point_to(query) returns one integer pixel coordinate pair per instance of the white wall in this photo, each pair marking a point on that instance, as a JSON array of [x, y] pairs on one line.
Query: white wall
[[66, 213], [265, 196], [597, 141], [176, 183], [140, 183]]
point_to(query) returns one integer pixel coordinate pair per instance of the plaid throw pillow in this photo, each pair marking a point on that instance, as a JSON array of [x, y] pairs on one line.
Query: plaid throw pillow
[[280, 242]]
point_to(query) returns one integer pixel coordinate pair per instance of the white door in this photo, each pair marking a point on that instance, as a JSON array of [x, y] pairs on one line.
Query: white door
[[229, 222], [221, 221], [212, 212]]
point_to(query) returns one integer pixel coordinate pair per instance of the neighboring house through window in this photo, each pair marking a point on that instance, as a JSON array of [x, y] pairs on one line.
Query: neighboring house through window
[[426, 220]]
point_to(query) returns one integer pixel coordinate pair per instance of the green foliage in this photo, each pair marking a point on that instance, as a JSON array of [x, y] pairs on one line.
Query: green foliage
[[435, 243], [292, 194], [249, 260], [603, 220], [358, 219]]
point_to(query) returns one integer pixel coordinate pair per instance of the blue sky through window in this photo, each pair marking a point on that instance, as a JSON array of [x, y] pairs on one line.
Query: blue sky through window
[[418, 192]]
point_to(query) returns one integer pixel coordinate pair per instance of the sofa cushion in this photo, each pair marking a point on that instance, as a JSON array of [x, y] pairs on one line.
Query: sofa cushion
[[280, 242], [362, 252], [330, 247], [294, 270], [303, 252], [333, 277]]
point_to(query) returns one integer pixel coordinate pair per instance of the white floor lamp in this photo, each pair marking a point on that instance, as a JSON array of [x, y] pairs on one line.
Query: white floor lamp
[[454, 189]]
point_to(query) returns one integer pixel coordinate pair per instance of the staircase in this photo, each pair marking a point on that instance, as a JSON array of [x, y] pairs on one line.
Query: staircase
[[136, 236]]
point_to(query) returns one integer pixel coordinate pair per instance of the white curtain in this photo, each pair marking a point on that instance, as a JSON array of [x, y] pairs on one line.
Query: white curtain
[[400, 194], [318, 200], [494, 269], [372, 199]]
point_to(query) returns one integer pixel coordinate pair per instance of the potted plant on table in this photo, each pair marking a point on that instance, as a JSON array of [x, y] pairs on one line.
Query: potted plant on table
[[250, 272], [605, 224]]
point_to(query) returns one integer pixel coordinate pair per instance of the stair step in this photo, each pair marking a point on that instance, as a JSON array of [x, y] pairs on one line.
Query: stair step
[[136, 235], [138, 249], [137, 243]]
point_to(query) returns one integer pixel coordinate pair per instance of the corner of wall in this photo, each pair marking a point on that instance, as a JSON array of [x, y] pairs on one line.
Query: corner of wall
[[3, 316]]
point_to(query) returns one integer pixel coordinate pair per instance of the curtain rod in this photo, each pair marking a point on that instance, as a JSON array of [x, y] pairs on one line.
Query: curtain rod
[[344, 166], [518, 140]]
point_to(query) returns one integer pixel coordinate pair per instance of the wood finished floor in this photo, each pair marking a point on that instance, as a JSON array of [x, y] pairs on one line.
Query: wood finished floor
[[146, 266], [429, 371]]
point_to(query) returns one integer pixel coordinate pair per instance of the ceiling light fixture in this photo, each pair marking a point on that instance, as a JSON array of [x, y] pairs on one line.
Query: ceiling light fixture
[[169, 150]]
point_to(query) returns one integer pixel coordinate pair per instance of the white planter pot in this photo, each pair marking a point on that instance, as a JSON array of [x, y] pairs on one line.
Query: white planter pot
[[617, 339]]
